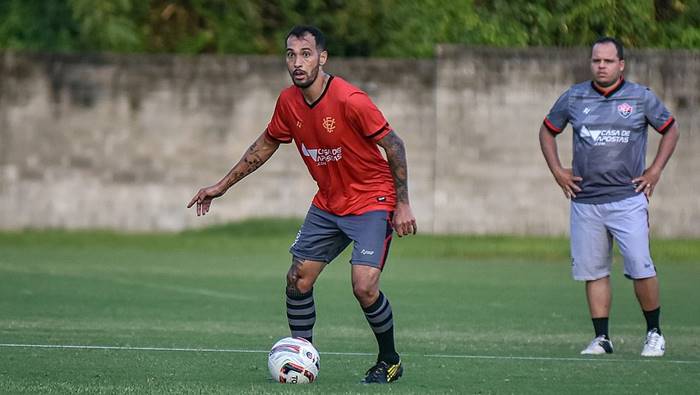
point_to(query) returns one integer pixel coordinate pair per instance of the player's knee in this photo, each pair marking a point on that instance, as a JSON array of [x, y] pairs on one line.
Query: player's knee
[[365, 293], [297, 283], [304, 285], [298, 288]]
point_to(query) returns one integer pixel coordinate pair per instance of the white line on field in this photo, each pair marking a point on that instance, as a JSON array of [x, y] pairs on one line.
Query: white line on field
[[127, 348], [241, 351], [582, 359]]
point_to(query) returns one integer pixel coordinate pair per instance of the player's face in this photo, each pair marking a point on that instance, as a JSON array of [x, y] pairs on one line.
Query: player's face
[[606, 66], [304, 60]]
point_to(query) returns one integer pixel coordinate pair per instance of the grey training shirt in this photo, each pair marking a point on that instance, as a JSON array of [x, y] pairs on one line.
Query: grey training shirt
[[610, 136]]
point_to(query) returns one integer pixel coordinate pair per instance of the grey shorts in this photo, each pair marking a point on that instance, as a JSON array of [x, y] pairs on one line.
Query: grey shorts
[[595, 226], [323, 236]]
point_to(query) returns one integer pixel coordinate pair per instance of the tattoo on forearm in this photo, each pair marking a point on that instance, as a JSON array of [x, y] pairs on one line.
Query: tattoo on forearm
[[396, 155], [252, 161]]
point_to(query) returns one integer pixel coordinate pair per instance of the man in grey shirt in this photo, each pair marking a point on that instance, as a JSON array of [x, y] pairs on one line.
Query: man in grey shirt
[[609, 186]]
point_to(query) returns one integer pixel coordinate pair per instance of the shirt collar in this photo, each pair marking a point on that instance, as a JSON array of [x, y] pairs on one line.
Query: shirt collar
[[610, 90]]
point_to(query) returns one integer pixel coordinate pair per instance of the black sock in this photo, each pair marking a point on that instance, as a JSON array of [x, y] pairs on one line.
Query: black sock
[[381, 320], [301, 313], [652, 318], [600, 325]]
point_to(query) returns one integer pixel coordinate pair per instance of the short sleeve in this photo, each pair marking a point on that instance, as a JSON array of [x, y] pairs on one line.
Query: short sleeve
[[558, 116], [277, 129], [656, 113], [365, 117]]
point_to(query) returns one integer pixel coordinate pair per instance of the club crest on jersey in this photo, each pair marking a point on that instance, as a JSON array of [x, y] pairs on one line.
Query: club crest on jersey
[[329, 124], [625, 110]]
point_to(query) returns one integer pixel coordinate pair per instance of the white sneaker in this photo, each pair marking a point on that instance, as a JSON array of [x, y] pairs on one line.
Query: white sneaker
[[599, 345], [654, 345]]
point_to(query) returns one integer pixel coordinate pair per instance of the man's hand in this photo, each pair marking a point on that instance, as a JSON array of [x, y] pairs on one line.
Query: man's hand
[[563, 176], [204, 197], [650, 178], [404, 222], [647, 181], [568, 182], [258, 153]]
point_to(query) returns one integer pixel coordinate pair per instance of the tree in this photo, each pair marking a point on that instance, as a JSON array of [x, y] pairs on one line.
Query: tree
[[396, 28]]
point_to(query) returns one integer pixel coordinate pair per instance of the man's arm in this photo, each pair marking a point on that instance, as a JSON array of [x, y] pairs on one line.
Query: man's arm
[[563, 176], [404, 221], [257, 154], [647, 182]]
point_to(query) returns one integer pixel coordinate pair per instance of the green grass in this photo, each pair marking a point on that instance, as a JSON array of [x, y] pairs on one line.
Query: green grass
[[473, 315]]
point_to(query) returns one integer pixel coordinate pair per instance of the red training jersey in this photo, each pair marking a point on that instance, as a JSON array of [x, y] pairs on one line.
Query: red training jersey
[[337, 138]]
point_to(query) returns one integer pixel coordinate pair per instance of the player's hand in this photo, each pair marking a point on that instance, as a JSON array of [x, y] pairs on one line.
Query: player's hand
[[204, 197], [568, 182], [404, 221], [647, 182]]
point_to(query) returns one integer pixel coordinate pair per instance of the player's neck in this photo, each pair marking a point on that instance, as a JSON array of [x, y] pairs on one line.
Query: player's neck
[[315, 90], [607, 89]]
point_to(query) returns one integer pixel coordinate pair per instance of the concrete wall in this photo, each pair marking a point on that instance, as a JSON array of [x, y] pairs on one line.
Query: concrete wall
[[123, 142]]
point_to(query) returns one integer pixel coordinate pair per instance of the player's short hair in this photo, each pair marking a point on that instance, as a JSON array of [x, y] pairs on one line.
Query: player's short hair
[[618, 45], [301, 30]]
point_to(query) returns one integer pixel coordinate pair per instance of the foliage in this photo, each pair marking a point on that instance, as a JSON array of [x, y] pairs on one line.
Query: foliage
[[35, 25], [110, 24], [355, 28]]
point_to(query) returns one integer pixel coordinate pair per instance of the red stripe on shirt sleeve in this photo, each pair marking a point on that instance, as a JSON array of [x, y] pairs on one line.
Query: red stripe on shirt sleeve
[[550, 126], [666, 125]]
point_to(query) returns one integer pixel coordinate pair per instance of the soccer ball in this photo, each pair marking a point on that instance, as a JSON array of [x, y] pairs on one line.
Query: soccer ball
[[293, 360]]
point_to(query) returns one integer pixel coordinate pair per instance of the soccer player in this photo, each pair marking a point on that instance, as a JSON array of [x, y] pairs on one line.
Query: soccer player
[[609, 186], [362, 198]]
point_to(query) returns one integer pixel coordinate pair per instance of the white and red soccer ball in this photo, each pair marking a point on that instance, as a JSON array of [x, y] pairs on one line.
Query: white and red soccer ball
[[293, 360]]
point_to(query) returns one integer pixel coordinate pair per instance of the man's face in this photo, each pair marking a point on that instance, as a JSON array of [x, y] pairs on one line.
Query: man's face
[[304, 60], [606, 66]]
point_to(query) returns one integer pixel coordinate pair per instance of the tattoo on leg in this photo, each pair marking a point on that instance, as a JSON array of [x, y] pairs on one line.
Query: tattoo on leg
[[293, 277]]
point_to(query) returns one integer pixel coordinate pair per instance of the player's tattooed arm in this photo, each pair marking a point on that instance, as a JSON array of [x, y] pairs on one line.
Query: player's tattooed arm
[[404, 222], [396, 155], [255, 156]]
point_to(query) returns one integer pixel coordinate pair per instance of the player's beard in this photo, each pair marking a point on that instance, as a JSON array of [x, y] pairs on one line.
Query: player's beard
[[312, 78]]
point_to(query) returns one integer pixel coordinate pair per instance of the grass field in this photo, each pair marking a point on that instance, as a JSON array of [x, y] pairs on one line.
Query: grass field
[[196, 312]]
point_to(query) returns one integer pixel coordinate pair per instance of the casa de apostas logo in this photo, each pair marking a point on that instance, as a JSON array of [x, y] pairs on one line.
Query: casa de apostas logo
[[322, 156], [606, 136]]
